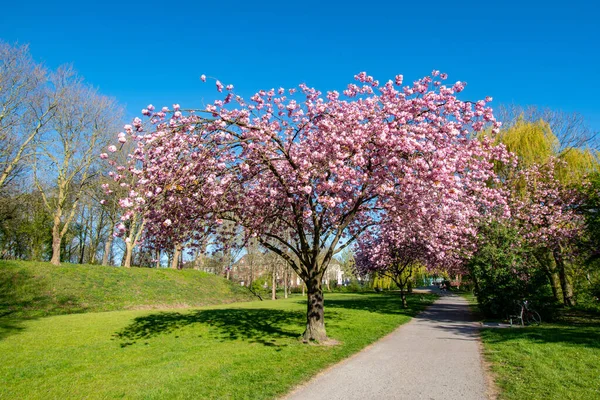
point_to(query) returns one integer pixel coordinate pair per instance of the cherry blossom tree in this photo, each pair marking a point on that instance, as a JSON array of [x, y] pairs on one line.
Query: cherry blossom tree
[[307, 173], [548, 216], [430, 225]]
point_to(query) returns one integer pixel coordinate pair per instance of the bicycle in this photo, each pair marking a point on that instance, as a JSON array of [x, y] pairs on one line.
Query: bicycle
[[526, 315]]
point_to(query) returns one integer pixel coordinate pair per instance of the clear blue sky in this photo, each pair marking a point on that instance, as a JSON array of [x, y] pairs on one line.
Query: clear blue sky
[[544, 53]]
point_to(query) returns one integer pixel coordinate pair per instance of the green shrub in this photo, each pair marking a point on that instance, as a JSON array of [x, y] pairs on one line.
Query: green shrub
[[504, 274]]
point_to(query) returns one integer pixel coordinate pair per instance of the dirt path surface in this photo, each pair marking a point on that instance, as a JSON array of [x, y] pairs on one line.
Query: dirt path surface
[[434, 356]]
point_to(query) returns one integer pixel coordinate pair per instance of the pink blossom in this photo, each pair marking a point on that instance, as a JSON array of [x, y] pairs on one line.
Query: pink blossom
[[203, 78], [112, 148]]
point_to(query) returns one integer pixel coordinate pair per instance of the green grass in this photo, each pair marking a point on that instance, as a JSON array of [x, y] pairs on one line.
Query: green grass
[[237, 351], [551, 361], [37, 289]]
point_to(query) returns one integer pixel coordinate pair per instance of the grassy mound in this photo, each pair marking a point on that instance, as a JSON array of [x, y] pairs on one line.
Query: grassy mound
[[37, 289]]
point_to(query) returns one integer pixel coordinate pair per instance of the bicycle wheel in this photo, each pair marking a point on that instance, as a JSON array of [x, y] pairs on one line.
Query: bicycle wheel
[[532, 317]]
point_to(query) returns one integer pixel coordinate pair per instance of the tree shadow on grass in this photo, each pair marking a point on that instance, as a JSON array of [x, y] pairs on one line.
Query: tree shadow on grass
[[383, 303], [263, 326], [9, 327]]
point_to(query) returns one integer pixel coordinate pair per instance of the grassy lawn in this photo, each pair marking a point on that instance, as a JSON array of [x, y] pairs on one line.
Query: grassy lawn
[[551, 361], [238, 351], [37, 289]]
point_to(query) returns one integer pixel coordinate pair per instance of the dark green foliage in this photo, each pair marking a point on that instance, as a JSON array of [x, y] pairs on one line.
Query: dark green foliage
[[504, 273], [588, 284]]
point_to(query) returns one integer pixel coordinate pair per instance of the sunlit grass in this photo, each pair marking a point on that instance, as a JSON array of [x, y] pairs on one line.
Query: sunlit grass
[[239, 351], [552, 361]]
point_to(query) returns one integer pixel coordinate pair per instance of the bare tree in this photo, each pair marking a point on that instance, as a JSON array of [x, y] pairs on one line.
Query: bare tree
[[26, 107], [81, 126]]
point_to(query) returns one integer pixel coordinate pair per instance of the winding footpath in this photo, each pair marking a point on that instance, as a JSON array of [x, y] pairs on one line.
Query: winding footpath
[[434, 356]]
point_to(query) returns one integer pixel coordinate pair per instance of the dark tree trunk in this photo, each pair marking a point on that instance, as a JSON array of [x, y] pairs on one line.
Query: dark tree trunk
[[285, 281], [403, 297], [548, 263], [315, 323], [565, 283], [274, 286]]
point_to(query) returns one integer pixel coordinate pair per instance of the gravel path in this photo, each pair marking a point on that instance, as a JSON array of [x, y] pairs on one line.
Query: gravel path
[[434, 356]]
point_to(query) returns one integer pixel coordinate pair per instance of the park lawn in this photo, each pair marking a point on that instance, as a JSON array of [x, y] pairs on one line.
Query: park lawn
[[238, 351], [551, 361]]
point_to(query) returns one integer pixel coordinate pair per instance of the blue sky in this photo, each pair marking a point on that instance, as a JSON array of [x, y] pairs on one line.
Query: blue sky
[[543, 53]]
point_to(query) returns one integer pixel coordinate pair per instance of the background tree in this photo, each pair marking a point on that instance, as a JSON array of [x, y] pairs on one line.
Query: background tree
[[26, 107], [82, 125]]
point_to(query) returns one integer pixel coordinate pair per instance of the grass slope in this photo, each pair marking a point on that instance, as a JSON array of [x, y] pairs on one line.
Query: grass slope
[[36, 289], [237, 351]]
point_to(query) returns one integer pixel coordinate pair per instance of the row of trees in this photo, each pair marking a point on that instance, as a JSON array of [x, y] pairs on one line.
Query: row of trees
[[52, 127], [543, 246], [548, 250]]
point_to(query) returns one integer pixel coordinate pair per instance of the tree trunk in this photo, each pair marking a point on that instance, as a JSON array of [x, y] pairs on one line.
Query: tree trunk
[[128, 254], [546, 259], [82, 248], [176, 255], [274, 286], [157, 258], [410, 286], [315, 323], [554, 283], [56, 239], [565, 283], [403, 297], [107, 250], [198, 260], [285, 281]]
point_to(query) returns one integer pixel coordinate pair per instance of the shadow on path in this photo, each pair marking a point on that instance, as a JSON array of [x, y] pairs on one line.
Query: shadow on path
[[262, 326]]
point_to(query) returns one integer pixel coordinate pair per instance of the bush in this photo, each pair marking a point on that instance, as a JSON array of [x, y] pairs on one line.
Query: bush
[[504, 274]]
